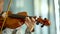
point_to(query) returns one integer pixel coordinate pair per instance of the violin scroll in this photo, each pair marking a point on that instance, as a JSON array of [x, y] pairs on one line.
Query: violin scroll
[[47, 22], [44, 21]]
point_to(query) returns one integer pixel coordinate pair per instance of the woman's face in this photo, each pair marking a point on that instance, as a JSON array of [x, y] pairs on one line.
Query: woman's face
[[1, 5]]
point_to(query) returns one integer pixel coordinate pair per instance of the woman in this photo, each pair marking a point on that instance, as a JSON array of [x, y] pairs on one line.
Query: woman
[[8, 30]]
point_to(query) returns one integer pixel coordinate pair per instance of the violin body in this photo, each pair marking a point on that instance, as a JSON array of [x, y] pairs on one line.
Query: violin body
[[1, 20], [13, 22]]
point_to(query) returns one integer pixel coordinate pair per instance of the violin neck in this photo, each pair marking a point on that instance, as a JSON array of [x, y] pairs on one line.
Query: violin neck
[[16, 16], [19, 16]]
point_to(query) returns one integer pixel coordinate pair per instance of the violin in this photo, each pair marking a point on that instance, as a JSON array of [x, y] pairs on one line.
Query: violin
[[16, 20]]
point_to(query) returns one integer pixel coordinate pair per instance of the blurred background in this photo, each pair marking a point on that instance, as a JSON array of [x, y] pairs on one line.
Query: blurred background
[[46, 8]]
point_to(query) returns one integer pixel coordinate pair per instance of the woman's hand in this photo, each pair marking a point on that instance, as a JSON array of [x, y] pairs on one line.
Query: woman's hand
[[30, 23], [4, 15]]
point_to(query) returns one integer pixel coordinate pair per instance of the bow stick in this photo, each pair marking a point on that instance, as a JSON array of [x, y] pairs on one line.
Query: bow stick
[[6, 14]]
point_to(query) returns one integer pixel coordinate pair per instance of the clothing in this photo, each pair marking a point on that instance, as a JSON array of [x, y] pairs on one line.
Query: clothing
[[11, 31], [27, 31]]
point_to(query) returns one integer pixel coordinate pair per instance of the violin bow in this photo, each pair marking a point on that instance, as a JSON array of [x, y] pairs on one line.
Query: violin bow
[[10, 2]]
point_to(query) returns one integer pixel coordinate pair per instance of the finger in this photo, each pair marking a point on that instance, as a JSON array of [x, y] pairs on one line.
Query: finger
[[33, 19], [28, 19]]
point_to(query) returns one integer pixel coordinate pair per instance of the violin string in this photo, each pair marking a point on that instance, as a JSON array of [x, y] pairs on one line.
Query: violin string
[[10, 2]]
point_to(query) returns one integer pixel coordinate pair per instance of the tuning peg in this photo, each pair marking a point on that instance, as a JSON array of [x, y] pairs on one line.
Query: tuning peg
[[42, 25], [37, 23], [45, 18]]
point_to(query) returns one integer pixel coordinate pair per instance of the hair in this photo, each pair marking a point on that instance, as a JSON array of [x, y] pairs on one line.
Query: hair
[[1, 5], [1, 0]]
